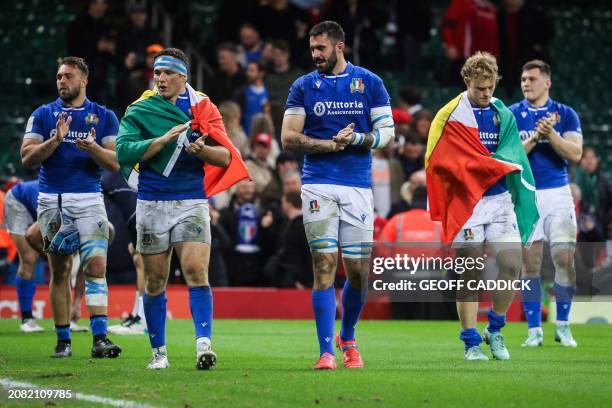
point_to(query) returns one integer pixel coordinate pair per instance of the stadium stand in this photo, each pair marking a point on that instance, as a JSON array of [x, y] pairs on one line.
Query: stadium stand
[[33, 34]]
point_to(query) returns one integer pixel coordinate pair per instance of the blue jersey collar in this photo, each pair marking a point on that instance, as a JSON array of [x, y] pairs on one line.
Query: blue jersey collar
[[346, 72], [60, 104], [547, 106]]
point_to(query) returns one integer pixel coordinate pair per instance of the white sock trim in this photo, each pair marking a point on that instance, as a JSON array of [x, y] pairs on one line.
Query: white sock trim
[[535, 330], [203, 343], [160, 349]]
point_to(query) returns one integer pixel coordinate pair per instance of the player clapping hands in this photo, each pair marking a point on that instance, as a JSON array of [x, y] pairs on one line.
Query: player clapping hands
[[344, 137]]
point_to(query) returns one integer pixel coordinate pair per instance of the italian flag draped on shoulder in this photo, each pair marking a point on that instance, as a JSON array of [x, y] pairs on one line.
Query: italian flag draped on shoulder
[[151, 116], [460, 169]]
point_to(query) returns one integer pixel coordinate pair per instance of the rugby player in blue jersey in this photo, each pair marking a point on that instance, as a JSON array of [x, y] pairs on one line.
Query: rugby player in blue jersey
[[71, 139], [336, 115], [493, 223], [172, 210], [19, 215], [552, 138]]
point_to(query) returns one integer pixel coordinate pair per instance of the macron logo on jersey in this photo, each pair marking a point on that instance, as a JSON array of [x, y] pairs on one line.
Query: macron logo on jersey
[[338, 108]]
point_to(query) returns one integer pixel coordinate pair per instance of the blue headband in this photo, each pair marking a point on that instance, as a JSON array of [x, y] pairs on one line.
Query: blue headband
[[171, 63]]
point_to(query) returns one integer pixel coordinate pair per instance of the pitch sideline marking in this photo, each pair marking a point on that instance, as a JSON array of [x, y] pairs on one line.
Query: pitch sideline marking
[[8, 383]]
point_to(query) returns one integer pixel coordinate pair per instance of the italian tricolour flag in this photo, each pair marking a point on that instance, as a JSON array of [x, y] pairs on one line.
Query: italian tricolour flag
[[460, 169], [151, 116]]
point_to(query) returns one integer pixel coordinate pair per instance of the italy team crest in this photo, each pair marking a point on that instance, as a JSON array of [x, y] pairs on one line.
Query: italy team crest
[[468, 234], [91, 119], [314, 206], [556, 117], [357, 85]]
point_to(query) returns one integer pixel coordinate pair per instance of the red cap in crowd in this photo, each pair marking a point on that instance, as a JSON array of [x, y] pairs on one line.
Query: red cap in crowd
[[400, 116], [263, 138]]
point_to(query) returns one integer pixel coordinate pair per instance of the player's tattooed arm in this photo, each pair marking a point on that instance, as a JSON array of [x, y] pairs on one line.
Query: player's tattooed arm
[[293, 139], [34, 152]]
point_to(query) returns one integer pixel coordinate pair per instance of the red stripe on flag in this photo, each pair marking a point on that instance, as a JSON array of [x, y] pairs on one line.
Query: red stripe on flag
[[460, 170]]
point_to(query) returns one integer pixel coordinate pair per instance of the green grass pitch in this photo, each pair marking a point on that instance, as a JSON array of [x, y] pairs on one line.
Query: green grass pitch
[[268, 363]]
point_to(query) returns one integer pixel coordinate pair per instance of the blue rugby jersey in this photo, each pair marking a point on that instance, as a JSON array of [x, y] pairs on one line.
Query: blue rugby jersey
[[330, 103], [488, 132], [27, 194], [549, 169], [68, 169], [254, 101], [185, 181]]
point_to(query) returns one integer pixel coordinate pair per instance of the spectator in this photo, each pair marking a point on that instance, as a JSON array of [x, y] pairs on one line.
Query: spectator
[[410, 100], [407, 193], [138, 80], [413, 225], [360, 19], [88, 38], [281, 76], [525, 33], [279, 19], [409, 104], [257, 163], [595, 220], [228, 77], [220, 245], [401, 120], [420, 124], [468, 26], [414, 20], [231, 113], [251, 46], [267, 55], [292, 181], [262, 123], [291, 265], [387, 179], [132, 43], [286, 163], [232, 14], [253, 96], [412, 156], [241, 220], [411, 233]]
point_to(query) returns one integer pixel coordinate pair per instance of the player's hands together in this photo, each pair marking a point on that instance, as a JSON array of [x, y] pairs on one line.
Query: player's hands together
[[197, 146], [173, 134], [88, 144], [344, 137], [545, 126], [61, 126]]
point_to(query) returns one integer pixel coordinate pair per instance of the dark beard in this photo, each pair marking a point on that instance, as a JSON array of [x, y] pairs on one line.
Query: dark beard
[[330, 64], [69, 96]]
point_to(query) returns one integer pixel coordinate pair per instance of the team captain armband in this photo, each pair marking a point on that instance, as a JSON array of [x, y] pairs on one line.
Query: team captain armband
[[383, 129]]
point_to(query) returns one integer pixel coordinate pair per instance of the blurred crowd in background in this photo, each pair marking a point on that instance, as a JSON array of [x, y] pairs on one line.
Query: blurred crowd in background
[[259, 48]]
